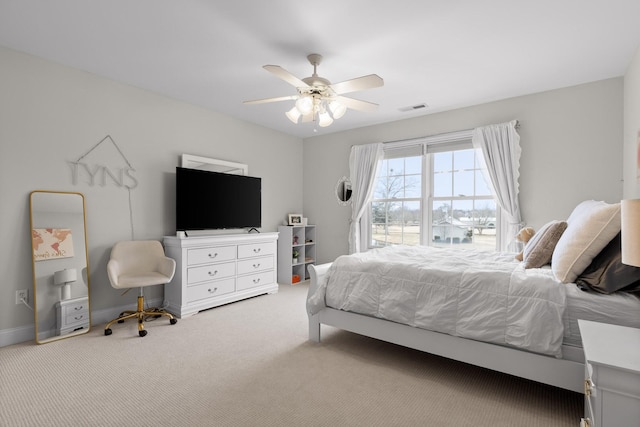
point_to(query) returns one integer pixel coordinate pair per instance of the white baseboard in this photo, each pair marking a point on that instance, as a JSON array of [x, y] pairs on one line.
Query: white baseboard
[[98, 317]]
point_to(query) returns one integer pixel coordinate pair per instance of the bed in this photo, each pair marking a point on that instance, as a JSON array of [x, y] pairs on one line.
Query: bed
[[476, 307]]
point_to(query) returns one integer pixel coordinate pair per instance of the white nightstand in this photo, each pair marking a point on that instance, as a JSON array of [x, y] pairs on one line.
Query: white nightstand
[[612, 372], [72, 315]]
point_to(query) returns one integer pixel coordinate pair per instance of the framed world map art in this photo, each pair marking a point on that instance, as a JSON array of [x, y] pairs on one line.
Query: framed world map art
[[52, 243]]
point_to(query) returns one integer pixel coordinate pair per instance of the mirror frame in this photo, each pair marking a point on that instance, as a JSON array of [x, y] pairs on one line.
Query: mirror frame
[[43, 335], [339, 191]]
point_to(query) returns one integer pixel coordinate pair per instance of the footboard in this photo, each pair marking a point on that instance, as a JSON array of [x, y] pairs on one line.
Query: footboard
[[316, 273]]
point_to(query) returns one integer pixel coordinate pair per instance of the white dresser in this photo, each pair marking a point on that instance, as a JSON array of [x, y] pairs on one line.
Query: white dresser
[[216, 270], [612, 375], [72, 315]]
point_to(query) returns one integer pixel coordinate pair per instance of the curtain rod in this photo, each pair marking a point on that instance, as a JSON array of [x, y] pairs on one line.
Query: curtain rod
[[439, 137]]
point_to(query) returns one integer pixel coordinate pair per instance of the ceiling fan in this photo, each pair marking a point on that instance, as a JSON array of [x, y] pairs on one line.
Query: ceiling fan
[[317, 98]]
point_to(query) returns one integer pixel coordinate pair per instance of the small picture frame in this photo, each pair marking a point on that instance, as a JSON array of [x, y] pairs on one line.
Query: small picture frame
[[295, 219]]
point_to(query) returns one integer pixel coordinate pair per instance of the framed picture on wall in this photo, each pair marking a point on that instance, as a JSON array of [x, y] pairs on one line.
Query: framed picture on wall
[[295, 219]]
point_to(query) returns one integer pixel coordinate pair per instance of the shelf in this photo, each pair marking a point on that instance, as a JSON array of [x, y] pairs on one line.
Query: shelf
[[299, 238]]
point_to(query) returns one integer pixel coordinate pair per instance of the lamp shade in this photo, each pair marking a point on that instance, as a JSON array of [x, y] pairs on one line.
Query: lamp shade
[[304, 104], [293, 114], [630, 216], [337, 109], [65, 276]]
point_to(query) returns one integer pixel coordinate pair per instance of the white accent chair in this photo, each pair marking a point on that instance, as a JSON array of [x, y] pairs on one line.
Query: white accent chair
[[136, 264]]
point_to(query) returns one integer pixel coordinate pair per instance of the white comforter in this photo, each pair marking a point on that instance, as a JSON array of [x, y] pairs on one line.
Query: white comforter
[[484, 296]]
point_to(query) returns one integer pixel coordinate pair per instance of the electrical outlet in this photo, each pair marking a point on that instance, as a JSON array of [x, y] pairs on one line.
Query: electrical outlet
[[22, 294]]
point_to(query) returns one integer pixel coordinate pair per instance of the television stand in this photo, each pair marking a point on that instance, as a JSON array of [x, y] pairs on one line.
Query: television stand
[[217, 270]]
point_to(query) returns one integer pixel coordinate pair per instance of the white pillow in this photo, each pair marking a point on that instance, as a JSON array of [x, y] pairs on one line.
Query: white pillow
[[590, 227]]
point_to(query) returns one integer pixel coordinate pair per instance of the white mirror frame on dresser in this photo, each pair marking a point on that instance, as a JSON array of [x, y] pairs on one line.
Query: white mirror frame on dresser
[[214, 165]]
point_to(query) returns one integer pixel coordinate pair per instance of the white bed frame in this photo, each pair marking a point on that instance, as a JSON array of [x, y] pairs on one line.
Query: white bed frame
[[566, 373]]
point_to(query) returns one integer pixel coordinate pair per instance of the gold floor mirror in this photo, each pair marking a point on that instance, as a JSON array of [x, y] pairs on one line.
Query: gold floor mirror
[[60, 265]]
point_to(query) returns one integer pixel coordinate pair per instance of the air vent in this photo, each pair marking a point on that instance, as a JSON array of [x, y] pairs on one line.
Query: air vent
[[414, 107]]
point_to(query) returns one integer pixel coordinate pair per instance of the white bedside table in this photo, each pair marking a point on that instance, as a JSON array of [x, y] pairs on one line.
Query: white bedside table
[[612, 372], [72, 315]]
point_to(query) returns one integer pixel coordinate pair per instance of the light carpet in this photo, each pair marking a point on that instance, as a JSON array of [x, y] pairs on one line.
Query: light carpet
[[250, 364]]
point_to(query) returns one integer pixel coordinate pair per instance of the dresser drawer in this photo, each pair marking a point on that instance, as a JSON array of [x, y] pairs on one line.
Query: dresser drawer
[[253, 280], [210, 272], [256, 249], [74, 319], [255, 265], [212, 254], [210, 289]]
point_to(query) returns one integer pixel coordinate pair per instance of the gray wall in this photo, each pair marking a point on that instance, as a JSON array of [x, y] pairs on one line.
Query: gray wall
[[571, 143], [51, 115]]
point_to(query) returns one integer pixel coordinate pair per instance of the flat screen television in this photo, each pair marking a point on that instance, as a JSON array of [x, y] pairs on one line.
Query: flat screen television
[[208, 200]]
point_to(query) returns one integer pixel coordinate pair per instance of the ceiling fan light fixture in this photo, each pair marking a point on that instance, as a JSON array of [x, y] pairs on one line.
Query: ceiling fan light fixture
[[337, 109], [304, 104], [324, 119], [293, 115]]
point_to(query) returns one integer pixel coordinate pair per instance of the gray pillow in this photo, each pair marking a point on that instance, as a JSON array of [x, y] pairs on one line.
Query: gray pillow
[[539, 250], [607, 274]]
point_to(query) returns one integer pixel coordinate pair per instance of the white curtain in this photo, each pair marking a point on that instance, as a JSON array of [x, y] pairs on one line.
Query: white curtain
[[500, 148], [363, 165]]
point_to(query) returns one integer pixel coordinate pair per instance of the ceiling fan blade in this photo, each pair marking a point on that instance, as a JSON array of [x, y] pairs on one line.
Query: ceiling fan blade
[[359, 83], [356, 104], [265, 100], [285, 75]]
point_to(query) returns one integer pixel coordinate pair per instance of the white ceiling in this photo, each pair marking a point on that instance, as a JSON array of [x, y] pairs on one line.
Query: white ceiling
[[445, 53]]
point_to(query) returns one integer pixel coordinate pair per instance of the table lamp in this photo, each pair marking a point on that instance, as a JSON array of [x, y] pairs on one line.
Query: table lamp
[[65, 278], [630, 233]]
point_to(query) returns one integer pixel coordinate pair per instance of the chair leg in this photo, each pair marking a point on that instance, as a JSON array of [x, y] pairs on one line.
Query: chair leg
[[139, 314]]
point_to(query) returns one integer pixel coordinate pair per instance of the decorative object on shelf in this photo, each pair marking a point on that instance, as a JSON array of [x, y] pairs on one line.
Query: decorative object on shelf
[[65, 278], [304, 221], [295, 240], [318, 100], [295, 256], [295, 219]]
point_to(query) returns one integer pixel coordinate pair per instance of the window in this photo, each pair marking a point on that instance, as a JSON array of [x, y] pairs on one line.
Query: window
[[396, 211], [443, 187]]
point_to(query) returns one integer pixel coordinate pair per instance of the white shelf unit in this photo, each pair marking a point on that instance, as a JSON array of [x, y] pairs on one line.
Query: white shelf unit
[[300, 238]]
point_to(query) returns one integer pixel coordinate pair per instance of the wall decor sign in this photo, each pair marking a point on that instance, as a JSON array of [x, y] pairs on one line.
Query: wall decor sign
[[52, 243], [100, 174]]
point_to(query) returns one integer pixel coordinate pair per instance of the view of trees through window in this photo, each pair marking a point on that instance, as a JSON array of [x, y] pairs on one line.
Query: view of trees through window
[[459, 206]]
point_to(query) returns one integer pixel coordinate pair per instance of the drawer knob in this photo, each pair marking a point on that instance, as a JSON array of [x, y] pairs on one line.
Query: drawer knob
[[214, 255], [256, 281], [78, 308], [212, 291], [214, 273], [78, 317], [256, 265], [256, 250]]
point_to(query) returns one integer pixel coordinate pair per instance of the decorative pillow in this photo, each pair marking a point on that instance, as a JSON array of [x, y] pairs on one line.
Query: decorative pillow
[[539, 249], [607, 274], [590, 227]]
